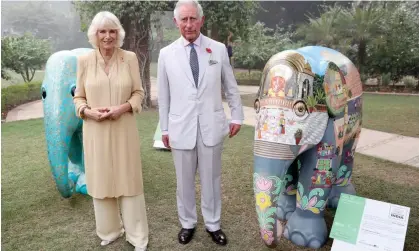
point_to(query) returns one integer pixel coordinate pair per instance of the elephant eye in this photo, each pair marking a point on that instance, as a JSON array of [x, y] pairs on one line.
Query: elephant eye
[[73, 89], [300, 109], [43, 93]]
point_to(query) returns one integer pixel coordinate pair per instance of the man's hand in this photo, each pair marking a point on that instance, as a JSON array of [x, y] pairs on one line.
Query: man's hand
[[165, 139], [234, 129], [97, 114]]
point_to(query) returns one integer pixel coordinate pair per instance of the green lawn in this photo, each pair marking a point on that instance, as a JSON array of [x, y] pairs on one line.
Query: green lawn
[[35, 217], [17, 78], [388, 113]]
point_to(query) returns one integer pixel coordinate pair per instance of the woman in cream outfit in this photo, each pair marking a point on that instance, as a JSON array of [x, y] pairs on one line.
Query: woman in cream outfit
[[107, 97]]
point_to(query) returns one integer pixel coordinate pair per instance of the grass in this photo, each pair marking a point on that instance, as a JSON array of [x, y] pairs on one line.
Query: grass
[[17, 78], [35, 217], [388, 113]]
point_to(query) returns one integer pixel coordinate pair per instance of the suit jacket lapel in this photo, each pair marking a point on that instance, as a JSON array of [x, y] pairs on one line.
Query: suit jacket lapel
[[203, 58], [180, 54]]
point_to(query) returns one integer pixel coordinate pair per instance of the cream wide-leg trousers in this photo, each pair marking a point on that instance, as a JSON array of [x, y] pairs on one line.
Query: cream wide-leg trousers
[[134, 219]]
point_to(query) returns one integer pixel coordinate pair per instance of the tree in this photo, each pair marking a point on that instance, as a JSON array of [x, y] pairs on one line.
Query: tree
[[361, 23], [135, 17], [223, 17], [262, 43], [24, 55], [321, 30], [346, 29], [393, 52]]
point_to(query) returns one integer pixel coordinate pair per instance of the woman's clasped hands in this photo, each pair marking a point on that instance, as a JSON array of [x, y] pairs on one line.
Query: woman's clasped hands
[[105, 113]]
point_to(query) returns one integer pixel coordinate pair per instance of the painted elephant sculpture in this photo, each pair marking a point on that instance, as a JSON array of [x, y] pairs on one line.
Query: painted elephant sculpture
[[63, 130], [308, 122]]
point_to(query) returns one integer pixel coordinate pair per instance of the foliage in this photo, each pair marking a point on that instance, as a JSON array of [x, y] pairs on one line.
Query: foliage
[[320, 95], [311, 101], [321, 30], [222, 17], [24, 54], [262, 43], [396, 49], [385, 79], [254, 75], [15, 95], [377, 36], [410, 81], [136, 10]]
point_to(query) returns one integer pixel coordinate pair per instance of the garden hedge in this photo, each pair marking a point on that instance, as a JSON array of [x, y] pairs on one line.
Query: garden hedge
[[15, 95]]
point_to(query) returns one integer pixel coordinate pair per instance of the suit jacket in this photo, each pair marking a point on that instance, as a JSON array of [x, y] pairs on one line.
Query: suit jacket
[[183, 106]]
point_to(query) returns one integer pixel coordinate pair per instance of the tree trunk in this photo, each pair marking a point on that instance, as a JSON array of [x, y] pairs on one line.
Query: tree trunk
[[204, 30], [362, 50], [215, 32], [137, 36]]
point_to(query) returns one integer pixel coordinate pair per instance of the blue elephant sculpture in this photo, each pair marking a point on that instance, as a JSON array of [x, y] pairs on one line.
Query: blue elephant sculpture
[[309, 118], [63, 129]]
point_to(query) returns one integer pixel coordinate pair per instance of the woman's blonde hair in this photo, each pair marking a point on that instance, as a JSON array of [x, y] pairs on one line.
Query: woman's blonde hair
[[105, 19]]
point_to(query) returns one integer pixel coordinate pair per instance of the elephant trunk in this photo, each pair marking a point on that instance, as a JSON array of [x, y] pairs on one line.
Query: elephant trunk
[[58, 146]]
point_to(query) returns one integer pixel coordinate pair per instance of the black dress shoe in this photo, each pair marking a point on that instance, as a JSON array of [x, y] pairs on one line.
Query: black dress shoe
[[218, 237], [185, 235]]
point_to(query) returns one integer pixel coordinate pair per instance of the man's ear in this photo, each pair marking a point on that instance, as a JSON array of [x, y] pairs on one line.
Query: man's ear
[[174, 21], [202, 20]]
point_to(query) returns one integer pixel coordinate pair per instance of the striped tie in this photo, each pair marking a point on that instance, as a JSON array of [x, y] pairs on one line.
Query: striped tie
[[193, 61]]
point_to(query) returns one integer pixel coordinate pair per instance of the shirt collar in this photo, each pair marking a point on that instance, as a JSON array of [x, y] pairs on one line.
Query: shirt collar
[[197, 42]]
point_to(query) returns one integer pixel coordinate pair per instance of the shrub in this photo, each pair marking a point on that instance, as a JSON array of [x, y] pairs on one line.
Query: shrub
[[254, 75], [410, 81], [15, 95], [241, 75], [385, 79]]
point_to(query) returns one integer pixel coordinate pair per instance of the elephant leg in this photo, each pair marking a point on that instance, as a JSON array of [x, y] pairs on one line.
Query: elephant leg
[[76, 164], [268, 181], [306, 226], [77, 177], [287, 199], [342, 183]]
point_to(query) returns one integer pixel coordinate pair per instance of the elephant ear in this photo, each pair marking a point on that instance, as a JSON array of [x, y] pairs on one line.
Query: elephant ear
[[335, 90]]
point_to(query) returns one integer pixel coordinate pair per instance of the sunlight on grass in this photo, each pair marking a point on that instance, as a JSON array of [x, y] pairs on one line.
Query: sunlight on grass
[[35, 217]]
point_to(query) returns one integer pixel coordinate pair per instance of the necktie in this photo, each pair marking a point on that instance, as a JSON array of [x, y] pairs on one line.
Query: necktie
[[193, 61]]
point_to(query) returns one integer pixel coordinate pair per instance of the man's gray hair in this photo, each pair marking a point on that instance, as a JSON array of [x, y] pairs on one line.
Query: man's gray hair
[[188, 2]]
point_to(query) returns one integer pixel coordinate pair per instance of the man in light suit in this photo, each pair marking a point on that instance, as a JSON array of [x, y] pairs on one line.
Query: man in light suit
[[190, 74]]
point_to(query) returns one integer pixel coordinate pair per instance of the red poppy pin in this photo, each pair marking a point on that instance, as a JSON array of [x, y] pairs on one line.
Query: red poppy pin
[[209, 50]]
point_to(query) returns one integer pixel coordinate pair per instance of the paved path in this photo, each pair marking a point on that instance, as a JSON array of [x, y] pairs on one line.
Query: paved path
[[392, 147]]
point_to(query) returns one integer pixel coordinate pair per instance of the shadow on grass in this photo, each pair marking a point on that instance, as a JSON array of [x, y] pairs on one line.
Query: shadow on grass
[[35, 217]]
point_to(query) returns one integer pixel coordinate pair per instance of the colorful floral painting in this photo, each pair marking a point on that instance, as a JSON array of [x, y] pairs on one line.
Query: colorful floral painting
[[343, 176], [311, 202], [267, 190]]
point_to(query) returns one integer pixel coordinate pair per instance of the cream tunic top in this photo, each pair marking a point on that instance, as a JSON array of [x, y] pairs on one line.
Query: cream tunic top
[[112, 147]]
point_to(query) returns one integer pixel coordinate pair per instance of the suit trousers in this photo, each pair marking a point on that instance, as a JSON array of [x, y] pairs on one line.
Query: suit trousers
[[108, 221], [207, 160]]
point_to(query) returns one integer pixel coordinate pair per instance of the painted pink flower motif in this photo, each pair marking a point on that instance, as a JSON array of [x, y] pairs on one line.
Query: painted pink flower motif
[[312, 202], [267, 236], [263, 184]]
